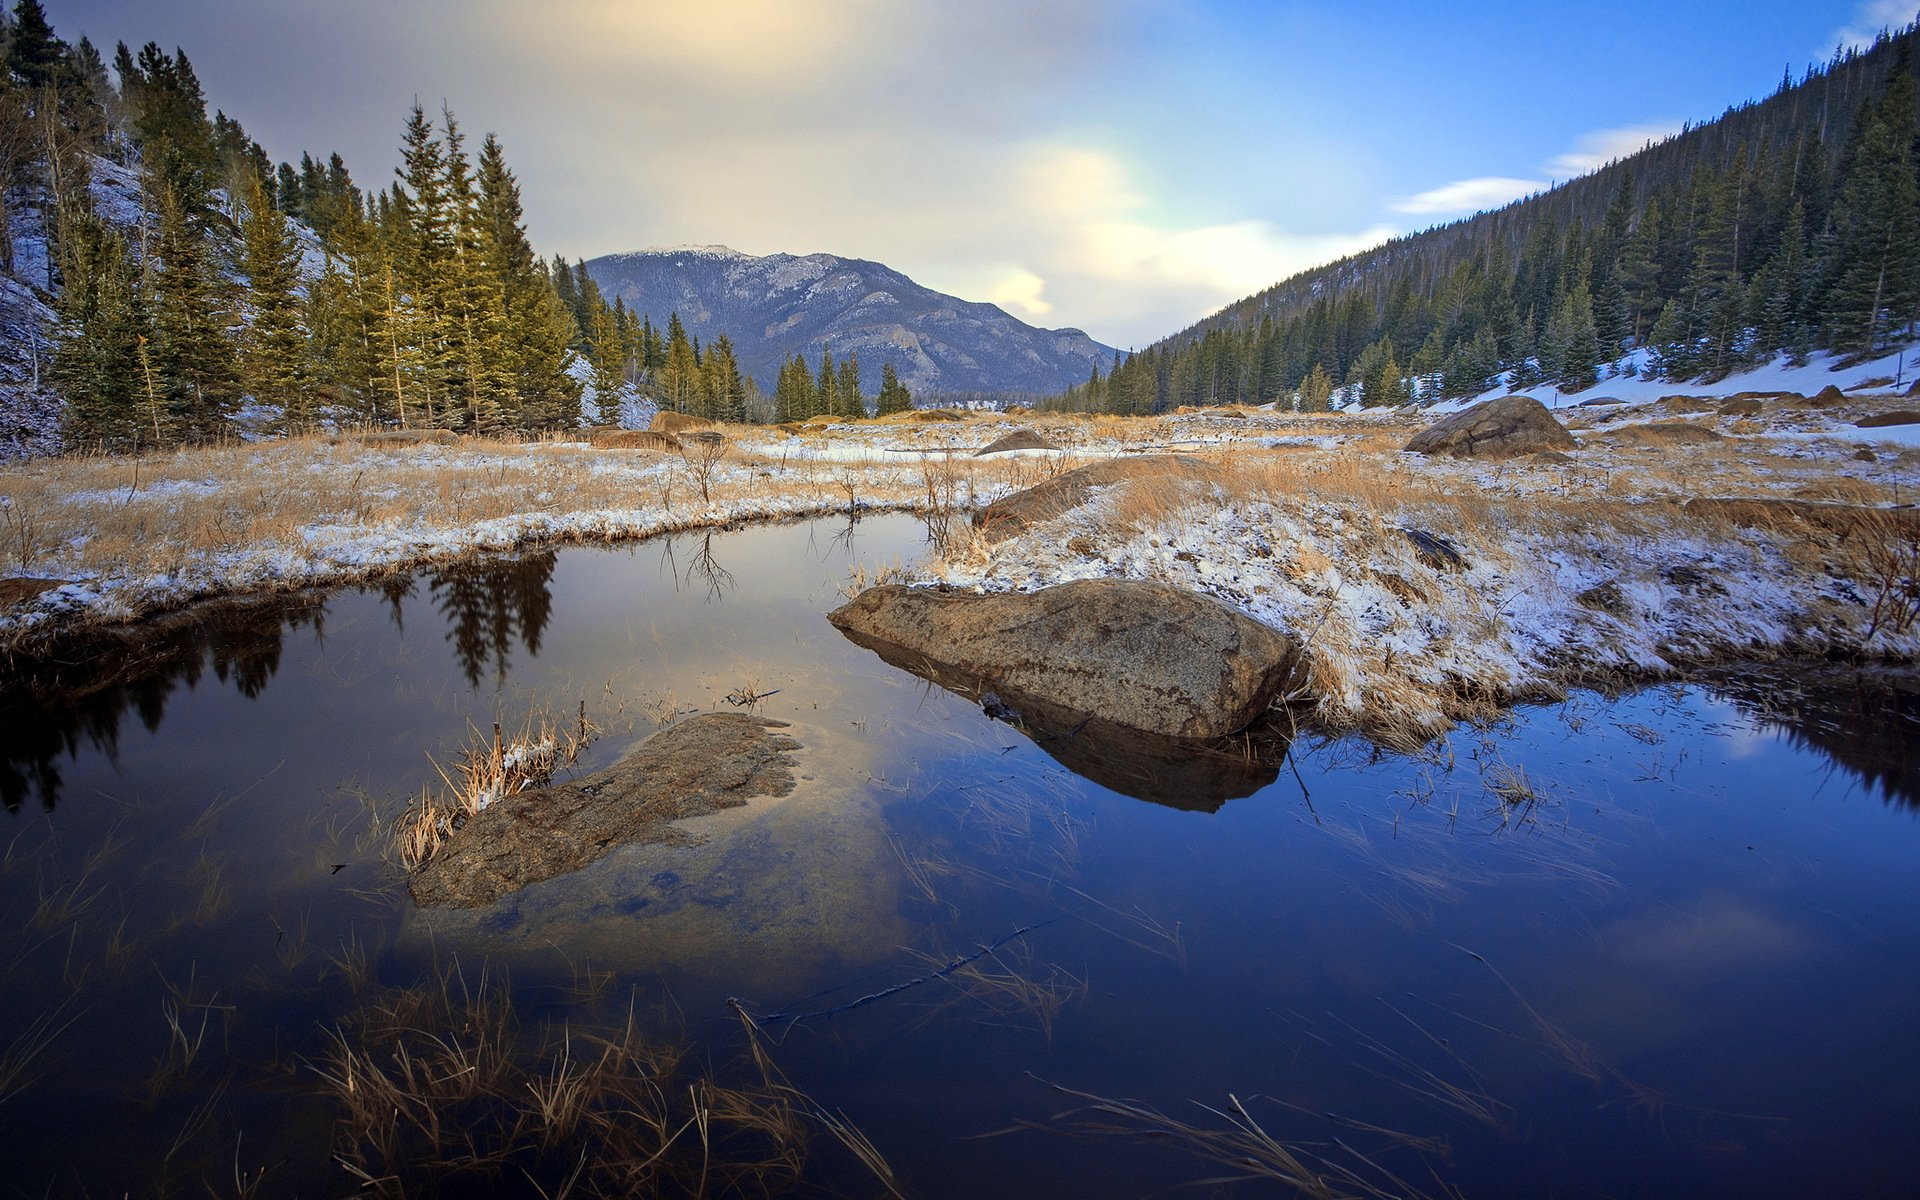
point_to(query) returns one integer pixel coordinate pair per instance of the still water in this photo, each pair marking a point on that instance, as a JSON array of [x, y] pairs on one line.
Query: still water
[[1657, 944]]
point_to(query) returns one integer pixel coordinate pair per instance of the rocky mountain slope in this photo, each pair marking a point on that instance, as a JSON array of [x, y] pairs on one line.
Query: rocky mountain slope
[[775, 306]]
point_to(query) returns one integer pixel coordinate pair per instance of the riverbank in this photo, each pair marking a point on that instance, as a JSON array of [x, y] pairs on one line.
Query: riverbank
[[1426, 590]]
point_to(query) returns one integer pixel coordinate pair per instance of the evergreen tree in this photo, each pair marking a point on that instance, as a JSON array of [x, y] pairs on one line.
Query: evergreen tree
[[894, 397], [190, 353], [1876, 224], [97, 359], [678, 380], [723, 387], [846, 388], [1316, 390], [536, 327], [273, 343], [35, 57], [826, 398]]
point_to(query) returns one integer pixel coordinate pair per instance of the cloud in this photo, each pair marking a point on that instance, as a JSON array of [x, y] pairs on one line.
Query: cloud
[[1591, 152], [1469, 195], [1021, 291], [1868, 21], [1597, 149]]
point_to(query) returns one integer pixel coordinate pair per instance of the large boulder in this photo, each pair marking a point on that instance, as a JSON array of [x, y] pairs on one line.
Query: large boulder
[[633, 439], [705, 763], [1019, 439], [1060, 495], [1503, 428], [1147, 656], [666, 421]]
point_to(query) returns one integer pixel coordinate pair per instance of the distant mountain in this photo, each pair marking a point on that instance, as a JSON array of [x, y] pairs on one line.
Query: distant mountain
[[775, 306]]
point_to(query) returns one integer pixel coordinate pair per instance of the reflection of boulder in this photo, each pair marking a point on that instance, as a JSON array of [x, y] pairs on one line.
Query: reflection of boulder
[[1503, 428], [705, 763], [1010, 515], [1196, 775], [1866, 720], [1149, 656]]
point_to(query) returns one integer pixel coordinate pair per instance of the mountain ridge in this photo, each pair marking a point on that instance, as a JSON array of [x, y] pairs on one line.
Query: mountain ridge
[[775, 306]]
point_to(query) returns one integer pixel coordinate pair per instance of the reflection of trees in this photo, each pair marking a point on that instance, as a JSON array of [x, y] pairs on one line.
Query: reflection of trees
[[704, 568], [488, 605], [80, 691], [1866, 721]]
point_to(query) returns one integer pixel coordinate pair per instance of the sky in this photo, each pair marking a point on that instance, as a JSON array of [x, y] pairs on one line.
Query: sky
[[1119, 166]]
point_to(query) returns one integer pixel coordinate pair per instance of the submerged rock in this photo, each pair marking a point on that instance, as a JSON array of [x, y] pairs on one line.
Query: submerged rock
[[1147, 656], [1010, 515], [1503, 428], [708, 762]]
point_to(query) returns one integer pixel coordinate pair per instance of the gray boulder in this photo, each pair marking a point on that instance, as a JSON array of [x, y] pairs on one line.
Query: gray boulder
[[1147, 656], [1503, 428]]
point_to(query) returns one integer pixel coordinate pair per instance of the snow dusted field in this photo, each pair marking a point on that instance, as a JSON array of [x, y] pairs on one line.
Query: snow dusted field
[[1576, 567]]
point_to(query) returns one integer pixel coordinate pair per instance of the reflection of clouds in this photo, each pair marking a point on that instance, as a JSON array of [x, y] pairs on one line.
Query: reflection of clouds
[[1743, 736], [1667, 975], [1718, 938]]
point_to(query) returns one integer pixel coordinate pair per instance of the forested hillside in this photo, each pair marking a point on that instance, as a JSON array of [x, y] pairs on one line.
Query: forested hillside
[[1787, 225], [163, 282]]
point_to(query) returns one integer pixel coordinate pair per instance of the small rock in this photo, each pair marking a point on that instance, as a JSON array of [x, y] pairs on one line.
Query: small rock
[[1437, 552]]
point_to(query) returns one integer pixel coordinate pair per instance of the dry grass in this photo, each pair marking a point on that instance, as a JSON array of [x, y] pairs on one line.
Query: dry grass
[[445, 1086], [487, 769]]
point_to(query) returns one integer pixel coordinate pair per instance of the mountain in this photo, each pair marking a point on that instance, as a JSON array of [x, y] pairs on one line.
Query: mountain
[[1788, 224], [779, 305]]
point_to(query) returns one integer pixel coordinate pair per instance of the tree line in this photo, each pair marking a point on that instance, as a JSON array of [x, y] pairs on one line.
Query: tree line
[[291, 297], [1787, 226]]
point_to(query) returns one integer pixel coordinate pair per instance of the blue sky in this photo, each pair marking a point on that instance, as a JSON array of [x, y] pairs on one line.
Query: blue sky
[[1124, 166]]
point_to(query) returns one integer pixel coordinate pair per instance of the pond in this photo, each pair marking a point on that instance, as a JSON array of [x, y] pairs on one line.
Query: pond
[[1658, 943]]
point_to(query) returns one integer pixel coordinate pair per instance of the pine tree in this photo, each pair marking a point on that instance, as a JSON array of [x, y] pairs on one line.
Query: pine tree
[[273, 343], [96, 362], [826, 398], [1876, 224], [723, 387], [190, 353], [678, 380], [536, 326], [846, 388], [894, 397], [1316, 390], [35, 56]]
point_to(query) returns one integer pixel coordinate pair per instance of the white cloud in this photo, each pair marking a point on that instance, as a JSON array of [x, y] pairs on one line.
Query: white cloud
[[1591, 152], [1597, 149], [1469, 195], [1868, 21], [1022, 292]]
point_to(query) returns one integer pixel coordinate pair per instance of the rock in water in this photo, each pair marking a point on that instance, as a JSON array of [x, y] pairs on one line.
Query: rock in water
[[1149, 656], [708, 762], [1503, 428]]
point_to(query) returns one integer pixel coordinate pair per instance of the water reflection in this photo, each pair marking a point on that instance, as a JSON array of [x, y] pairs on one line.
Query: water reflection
[[703, 569], [1866, 721], [80, 694], [1174, 772]]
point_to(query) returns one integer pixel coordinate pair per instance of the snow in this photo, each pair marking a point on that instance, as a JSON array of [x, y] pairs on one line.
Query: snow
[[1777, 375]]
